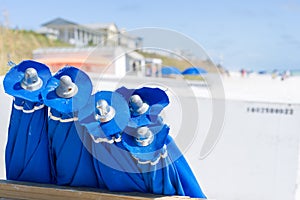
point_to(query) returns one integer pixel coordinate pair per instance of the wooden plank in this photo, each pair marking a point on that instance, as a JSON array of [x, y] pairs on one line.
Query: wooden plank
[[33, 191]]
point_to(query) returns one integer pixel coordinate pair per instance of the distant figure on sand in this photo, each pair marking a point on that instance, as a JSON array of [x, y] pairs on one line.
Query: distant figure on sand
[[285, 75], [243, 72], [134, 66], [274, 74]]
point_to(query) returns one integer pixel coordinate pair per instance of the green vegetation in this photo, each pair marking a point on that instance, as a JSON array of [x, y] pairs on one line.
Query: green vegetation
[[17, 45], [167, 61], [180, 63]]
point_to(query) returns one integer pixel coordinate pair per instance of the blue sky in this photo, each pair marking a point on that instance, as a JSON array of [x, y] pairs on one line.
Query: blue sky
[[246, 34]]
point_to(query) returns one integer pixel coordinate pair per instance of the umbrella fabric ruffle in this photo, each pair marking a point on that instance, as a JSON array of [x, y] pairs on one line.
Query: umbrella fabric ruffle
[[171, 177], [112, 127], [117, 168], [113, 165], [163, 167], [71, 162], [162, 177], [155, 98], [159, 176], [26, 154]]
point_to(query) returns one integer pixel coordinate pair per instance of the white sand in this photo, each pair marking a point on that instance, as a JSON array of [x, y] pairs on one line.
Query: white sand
[[257, 154]]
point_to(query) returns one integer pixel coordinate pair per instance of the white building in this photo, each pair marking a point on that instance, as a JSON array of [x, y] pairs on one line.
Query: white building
[[109, 61], [89, 34]]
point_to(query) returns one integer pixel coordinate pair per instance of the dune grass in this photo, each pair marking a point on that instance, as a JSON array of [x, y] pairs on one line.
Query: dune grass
[[181, 63], [17, 45]]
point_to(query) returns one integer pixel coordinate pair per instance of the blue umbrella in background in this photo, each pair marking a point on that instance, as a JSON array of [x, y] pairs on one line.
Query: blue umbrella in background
[[262, 72], [194, 71], [67, 92], [169, 70], [105, 117], [26, 154]]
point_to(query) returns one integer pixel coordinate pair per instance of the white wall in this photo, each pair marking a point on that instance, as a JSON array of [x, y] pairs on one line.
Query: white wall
[[120, 64]]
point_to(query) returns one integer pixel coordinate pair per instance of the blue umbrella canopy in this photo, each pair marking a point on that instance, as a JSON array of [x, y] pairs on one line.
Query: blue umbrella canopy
[[262, 72], [194, 71], [168, 70], [26, 154], [66, 93], [155, 153], [110, 125], [145, 104], [105, 117]]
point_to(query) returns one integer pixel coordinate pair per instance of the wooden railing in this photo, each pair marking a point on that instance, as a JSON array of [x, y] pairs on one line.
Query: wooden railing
[[33, 191]]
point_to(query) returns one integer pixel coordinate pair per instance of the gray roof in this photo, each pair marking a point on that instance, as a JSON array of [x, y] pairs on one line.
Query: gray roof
[[59, 22], [100, 25]]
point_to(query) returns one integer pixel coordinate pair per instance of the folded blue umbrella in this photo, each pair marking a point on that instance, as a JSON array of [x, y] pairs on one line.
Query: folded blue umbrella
[[145, 105], [188, 180], [105, 117], [71, 163], [163, 167], [26, 154]]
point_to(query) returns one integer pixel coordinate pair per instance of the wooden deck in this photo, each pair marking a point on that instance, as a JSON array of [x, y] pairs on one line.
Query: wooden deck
[[33, 191]]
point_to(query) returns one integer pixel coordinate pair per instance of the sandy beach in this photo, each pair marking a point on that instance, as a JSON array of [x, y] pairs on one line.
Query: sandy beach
[[257, 154]]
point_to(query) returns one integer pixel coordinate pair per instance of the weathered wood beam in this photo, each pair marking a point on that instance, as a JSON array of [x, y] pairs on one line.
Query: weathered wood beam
[[34, 191]]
